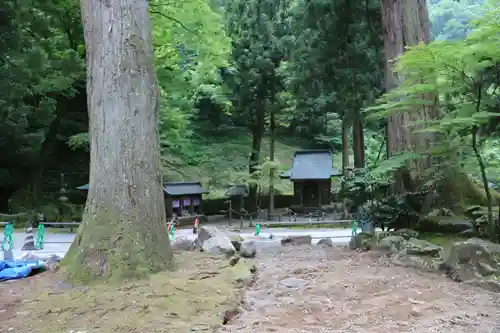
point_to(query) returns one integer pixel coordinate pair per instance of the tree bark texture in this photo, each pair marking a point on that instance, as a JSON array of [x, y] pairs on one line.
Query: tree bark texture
[[124, 233], [272, 171], [358, 142], [257, 127], [345, 145], [405, 23]]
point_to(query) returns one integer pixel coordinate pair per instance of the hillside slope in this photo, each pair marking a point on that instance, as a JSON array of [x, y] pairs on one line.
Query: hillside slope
[[223, 161]]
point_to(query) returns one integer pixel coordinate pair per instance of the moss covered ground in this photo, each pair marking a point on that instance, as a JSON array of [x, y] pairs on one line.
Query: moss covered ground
[[194, 297]]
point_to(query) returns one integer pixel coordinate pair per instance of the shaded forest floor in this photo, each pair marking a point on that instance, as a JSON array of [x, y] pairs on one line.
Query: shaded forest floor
[[313, 289], [193, 298]]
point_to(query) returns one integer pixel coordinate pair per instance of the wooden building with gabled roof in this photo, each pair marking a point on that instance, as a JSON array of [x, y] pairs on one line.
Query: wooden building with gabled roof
[[311, 174]]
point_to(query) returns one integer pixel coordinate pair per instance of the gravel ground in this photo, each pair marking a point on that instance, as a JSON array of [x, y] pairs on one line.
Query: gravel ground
[[312, 289]]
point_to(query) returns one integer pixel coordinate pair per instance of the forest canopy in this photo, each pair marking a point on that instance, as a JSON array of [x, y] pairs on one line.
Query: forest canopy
[[302, 72]]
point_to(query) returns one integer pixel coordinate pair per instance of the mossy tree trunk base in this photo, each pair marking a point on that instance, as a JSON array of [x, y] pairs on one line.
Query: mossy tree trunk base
[[113, 246], [124, 233]]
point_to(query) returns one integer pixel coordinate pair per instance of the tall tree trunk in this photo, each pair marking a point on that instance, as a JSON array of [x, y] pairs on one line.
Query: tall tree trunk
[[358, 141], [47, 147], [5, 194], [253, 167], [124, 233], [257, 127], [272, 171], [345, 145], [405, 23]]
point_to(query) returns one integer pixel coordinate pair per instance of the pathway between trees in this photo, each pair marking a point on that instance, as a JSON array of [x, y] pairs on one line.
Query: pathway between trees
[[313, 289]]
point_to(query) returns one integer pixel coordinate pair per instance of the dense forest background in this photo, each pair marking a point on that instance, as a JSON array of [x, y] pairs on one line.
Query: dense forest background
[[244, 83]]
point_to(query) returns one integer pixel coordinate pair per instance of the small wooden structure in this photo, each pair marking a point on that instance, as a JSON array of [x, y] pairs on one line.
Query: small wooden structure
[[237, 195], [311, 174], [183, 198]]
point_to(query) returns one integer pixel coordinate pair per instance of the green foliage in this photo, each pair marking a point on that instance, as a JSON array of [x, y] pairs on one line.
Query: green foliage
[[462, 75], [259, 36], [450, 18], [459, 80], [41, 65], [224, 66], [336, 66]]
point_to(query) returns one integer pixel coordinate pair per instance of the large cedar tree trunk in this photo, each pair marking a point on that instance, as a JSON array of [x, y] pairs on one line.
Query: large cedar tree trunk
[[405, 23], [124, 233]]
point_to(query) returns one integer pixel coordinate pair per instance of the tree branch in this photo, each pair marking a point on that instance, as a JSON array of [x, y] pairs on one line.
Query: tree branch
[[172, 19]]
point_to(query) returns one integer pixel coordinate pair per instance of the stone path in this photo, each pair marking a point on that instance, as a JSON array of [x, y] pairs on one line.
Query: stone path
[[312, 289]]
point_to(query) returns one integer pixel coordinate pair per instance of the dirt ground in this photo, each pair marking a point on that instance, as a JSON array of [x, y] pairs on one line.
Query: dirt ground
[[193, 298], [336, 290], [297, 289]]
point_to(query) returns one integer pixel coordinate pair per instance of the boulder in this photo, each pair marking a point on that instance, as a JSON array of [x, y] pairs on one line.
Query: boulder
[[184, 244], [248, 249], [468, 233], [206, 232], [297, 240], [383, 234], [445, 224], [326, 242], [390, 244], [406, 233], [426, 263], [421, 247], [236, 244], [362, 241], [474, 261], [219, 244]]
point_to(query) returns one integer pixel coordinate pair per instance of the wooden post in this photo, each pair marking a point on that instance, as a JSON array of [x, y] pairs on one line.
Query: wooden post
[[230, 211], [319, 194]]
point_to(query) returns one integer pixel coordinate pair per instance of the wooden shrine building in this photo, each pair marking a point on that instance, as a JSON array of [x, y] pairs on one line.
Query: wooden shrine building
[[311, 174], [181, 198]]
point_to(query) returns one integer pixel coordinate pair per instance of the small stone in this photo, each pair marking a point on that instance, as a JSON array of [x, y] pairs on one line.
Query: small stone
[[297, 240], [326, 242], [414, 301], [415, 311], [200, 328], [248, 249], [293, 282], [22, 313]]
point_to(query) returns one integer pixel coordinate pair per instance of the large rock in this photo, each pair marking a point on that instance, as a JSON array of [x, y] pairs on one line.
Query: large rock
[[406, 233], [325, 242], [184, 244], [390, 244], [206, 232], [219, 244], [421, 247], [426, 263], [248, 249], [445, 224], [362, 241], [297, 240], [475, 262]]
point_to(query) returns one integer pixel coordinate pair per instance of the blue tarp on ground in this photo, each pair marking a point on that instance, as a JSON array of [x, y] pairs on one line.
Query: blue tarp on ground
[[10, 270]]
